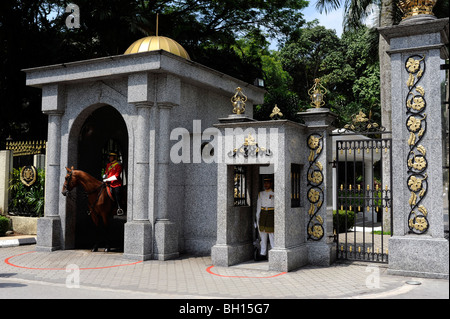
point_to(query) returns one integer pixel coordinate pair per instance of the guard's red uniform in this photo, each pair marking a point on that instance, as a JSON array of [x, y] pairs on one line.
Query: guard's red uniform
[[114, 169]]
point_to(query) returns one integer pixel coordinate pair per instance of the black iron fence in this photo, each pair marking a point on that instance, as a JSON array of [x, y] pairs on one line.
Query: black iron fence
[[363, 196]]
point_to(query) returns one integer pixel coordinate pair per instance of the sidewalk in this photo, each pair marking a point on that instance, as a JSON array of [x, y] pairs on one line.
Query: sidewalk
[[195, 277], [17, 240]]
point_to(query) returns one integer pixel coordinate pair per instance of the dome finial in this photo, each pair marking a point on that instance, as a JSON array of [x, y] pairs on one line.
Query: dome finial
[[157, 16]]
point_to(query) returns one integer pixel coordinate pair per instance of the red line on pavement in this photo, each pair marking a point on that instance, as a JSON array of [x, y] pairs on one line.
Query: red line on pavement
[[212, 273], [7, 261]]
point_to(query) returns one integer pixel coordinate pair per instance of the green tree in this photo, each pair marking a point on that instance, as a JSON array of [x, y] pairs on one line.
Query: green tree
[[356, 13], [33, 33], [344, 66]]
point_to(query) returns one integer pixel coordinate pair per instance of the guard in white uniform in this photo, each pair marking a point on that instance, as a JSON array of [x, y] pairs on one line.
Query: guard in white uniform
[[265, 216]]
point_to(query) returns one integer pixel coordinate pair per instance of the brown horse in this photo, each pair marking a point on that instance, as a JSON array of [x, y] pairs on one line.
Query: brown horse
[[100, 204]]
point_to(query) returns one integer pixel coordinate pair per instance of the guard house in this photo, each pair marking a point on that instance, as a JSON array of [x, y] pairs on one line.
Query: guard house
[[192, 171]]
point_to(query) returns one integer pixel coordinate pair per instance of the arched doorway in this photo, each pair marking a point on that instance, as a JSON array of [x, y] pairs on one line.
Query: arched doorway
[[103, 131]]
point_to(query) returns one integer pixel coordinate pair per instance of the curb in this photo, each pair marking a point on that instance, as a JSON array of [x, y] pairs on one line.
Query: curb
[[17, 242]]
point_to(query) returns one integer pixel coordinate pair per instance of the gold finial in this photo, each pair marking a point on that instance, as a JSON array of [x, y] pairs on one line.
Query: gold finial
[[238, 100], [411, 8], [316, 93], [157, 23], [276, 113]]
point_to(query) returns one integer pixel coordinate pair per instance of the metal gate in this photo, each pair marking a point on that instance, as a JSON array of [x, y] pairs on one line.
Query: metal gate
[[362, 216]]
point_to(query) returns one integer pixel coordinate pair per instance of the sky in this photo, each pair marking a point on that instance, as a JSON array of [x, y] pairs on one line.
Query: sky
[[331, 20]]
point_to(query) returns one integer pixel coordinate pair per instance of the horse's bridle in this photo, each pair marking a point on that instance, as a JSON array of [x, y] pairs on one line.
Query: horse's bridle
[[66, 189]]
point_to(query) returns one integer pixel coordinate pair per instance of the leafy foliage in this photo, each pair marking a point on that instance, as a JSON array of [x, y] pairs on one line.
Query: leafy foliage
[[33, 33], [27, 201], [4, 225]]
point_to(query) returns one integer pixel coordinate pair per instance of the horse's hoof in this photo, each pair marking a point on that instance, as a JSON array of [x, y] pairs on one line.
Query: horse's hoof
[[95, 249], [107, 250]]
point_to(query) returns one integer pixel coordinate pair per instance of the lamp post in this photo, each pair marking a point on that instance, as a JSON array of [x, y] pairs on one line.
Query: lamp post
[[316, 93]]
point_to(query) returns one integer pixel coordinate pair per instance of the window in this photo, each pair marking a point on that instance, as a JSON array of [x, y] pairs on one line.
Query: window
[[240, 186]]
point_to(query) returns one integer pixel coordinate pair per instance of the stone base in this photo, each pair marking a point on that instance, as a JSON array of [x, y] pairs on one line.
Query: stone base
[[228, 255], [166, 240], [321, 254], [138, 240], [419, 256], [288, 259], [24, 225], [49, 234]]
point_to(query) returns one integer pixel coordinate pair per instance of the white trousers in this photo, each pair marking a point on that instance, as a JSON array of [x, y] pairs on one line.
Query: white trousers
[[264, 236]]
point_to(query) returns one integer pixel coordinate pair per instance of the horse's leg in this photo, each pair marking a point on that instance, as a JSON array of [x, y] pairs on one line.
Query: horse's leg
[[107, 222], [95, 219]]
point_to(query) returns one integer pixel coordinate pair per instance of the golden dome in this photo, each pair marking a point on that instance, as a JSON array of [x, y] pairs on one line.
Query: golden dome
[[154, 43]]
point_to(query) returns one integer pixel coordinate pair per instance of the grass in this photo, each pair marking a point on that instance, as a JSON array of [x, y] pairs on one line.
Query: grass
[[379, 232]]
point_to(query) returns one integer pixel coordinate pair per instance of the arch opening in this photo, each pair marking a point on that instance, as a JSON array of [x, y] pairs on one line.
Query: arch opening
[[103, 130]]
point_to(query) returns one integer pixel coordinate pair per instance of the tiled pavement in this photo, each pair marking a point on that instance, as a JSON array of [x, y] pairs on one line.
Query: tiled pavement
[[196, 277]]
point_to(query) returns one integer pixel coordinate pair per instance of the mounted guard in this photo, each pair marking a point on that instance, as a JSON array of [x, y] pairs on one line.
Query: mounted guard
[[114, 182]]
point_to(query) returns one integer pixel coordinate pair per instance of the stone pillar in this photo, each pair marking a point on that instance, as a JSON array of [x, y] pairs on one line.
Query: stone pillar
[[6, 162], [166, 235], [418, 246], [49, 228], [138, 230], [222, 253], [319, 211], [168, 94], [39, 161], [49, 231]]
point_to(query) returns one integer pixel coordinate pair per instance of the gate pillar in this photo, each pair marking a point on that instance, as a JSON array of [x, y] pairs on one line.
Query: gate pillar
[[418, 246], [319, 186], [49, 228], [6, 166]]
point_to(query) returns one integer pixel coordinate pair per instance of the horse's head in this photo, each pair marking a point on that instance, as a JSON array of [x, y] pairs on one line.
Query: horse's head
[[70, 181]]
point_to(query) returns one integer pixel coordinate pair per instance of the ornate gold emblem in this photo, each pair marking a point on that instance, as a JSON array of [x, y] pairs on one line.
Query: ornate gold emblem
[[362, 123], [28, 175], [250, 148]]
